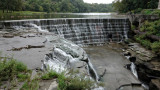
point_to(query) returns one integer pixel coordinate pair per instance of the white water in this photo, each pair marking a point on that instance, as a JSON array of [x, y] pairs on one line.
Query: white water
[[133, 69], [83, 32], [38, 27]]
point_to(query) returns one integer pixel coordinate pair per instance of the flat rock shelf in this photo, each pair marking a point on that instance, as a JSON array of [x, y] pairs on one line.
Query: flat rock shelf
[[107, 57]]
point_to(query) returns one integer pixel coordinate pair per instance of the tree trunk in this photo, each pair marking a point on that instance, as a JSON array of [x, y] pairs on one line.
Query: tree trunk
[[159, 5]]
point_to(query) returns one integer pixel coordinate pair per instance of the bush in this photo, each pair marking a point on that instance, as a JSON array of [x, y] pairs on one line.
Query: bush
[[74, 83], [150, 11], [9, 68], [33, 85], [50, 75], [133, 27], [151, 28], [144, 42], [22, 77], [156, 47]]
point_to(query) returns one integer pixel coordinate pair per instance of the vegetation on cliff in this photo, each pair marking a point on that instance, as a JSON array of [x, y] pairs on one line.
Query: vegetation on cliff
[[150, 28]]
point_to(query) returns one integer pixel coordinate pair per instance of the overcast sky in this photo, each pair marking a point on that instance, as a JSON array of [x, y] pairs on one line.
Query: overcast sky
[[98, 1]]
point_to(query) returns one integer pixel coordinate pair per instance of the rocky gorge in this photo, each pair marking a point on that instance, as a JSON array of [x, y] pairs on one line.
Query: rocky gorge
[[97, 59]]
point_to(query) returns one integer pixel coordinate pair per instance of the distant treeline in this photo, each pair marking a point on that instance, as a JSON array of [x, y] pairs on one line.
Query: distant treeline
[[124, 6], [53, 6]]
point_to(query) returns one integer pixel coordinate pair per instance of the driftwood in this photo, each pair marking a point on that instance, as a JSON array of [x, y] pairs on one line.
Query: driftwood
[[154, 37], [27, 47], [8, 36]]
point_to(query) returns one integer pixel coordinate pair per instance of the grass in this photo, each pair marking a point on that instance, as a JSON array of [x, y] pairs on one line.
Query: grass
[[21, 15], [22, 76], [14, 72], [22, 12], [9, 68], [70, 81], [76, 83], [49, 75], [31, 85]]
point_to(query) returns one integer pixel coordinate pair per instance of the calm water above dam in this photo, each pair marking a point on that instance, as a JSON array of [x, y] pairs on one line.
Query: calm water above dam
[[59, 15]]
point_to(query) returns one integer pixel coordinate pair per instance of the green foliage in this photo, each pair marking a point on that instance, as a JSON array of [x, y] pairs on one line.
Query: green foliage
[[150, 11], [144, 42], [50, 75], [136, 6], [22, 76], [151, 28], [74, 83], [56, 6], [133, 27], [156, 47], [31, 85], [69, 82], [12, 5], [9, 68]]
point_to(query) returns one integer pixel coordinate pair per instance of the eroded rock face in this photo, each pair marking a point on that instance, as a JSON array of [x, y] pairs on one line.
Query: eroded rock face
[[141, 52], [155, 84], [148, 65], [67, 55]]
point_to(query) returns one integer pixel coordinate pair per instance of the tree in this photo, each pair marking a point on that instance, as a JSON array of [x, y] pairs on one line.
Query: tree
[[159, 5], [124, 6]]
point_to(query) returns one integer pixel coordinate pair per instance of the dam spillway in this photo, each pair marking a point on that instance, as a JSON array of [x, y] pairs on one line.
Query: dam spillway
[[80, 31]]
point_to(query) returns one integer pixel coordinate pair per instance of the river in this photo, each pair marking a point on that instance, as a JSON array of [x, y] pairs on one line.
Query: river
[[19, 16]]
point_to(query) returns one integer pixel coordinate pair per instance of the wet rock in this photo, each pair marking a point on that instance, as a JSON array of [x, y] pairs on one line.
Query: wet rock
[[68, 56], [28, 35], [140, 52], [8, 36], [154, 84], [132, 59], [149, 69], [143, 77]]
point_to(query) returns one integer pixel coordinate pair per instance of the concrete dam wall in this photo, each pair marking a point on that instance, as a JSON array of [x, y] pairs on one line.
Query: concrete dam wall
[[80, 31]]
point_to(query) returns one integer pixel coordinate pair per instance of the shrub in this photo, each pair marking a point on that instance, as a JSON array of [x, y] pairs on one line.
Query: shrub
[[144, 42], [156, 47], [133, 27], [152, 28], [22, 77], [74, 83], [50, 75], [33, 85], [10, 68]]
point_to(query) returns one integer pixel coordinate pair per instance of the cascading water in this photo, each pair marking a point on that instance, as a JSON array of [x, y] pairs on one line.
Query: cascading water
[[133, 69], [80, 31]]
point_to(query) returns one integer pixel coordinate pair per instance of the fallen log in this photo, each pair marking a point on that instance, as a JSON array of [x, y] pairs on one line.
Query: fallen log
[[27, 47]]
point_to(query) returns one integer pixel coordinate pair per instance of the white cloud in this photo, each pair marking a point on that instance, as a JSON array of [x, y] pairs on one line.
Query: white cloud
[[98, 1]]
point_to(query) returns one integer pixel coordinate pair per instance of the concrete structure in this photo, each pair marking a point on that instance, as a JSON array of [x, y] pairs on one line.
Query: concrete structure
[[137, 19]]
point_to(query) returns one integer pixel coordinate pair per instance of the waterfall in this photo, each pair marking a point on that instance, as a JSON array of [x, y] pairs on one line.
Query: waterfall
[[133, 69], [80, 31], [38, 27]]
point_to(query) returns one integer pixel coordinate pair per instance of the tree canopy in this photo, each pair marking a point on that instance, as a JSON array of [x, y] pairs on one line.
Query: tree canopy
[[54, 6], [124, 6]]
